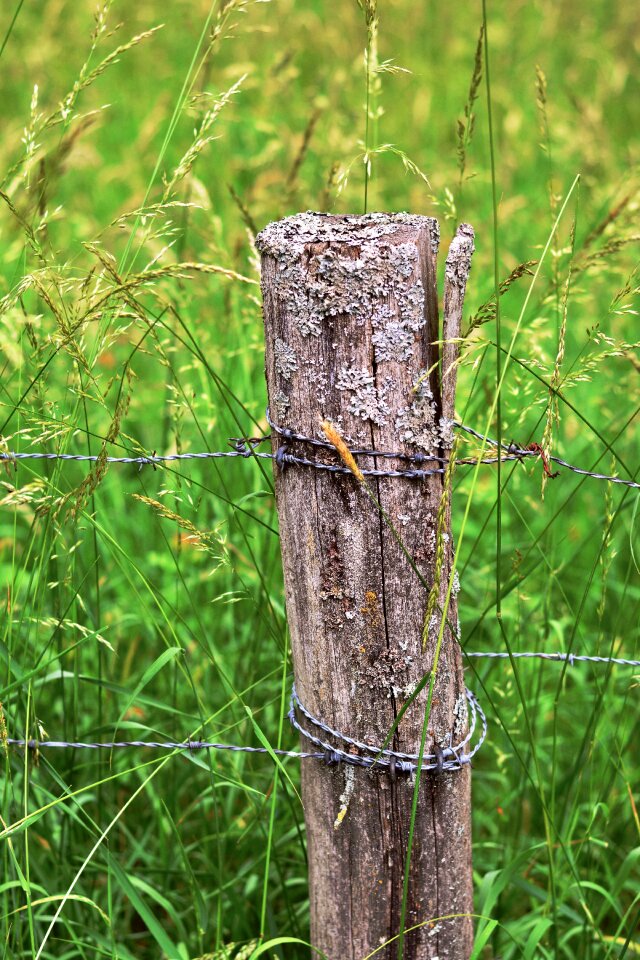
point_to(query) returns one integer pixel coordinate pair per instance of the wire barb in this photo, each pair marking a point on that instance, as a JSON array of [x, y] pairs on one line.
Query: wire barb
[[451, 757], [390, 761], [247, 447]]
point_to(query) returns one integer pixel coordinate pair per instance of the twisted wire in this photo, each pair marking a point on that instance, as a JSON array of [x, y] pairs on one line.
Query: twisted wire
[[569, 658], [246, 447], [144, 460], [516, 453], [451, 757], [187, 745]]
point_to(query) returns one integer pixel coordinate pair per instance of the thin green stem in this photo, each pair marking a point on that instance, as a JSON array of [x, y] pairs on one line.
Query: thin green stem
[[367, 160], [274, 795], [496, 285], [11, 26]]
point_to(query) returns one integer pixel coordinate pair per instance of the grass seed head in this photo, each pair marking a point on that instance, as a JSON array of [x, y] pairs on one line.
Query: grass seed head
[[342, 449]]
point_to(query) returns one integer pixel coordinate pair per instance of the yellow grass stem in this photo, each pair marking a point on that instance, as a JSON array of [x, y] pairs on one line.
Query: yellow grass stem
[[332, 435]]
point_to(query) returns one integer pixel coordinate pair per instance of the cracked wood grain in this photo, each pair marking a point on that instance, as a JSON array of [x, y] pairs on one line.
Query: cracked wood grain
[[350, 309]]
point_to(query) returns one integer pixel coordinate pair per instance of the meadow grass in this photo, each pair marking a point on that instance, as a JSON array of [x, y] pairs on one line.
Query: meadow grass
[[143, 147]]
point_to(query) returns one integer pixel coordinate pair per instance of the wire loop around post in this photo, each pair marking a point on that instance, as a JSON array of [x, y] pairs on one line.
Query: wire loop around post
[[447, 758], [388, 761]]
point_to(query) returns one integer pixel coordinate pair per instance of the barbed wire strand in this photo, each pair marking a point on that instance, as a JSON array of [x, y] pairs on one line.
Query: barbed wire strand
[[447, 759], [569, 658], [516, 453], [452, 757], [246, 447]]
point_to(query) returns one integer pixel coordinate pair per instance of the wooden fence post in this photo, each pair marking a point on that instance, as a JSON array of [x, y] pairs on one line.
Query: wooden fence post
[[351, 321]]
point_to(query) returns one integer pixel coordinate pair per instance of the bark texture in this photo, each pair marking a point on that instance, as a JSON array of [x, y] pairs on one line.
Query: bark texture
[[351, 320]]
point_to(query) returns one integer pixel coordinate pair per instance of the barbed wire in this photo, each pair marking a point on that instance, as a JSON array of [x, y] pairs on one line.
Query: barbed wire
[[187, 745], [246, 448], [535, 450], [569, 658], [448, 758]]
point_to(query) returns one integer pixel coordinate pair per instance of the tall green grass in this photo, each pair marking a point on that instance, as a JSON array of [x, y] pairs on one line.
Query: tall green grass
[[142, 147]]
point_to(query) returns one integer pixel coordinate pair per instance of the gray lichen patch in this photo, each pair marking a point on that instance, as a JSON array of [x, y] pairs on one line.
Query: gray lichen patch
[[329, 266], [278, 238], [460, 717], [461, 250], [394, 341], [416, 423], [366, 400], [446, 428], [411, 306], [281, 404], [383, 670], [403, 258], [286, 361], [290, 286], [316, 377]]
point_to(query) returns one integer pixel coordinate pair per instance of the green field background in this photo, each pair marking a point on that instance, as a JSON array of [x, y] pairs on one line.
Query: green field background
[[148, 604]]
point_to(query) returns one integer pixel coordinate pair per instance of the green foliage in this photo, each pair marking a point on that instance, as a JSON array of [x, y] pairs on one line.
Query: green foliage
[[142, 147]]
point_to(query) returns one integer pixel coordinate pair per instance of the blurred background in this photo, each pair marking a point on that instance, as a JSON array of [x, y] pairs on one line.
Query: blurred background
[[143, 146]]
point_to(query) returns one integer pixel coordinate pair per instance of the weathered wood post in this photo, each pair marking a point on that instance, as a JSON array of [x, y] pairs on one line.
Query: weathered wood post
[[351, 321]]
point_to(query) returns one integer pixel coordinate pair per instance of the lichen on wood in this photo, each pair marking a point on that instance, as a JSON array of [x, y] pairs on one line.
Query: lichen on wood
[[286, 362], [351, 322], [328, 267], [416, 423]]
